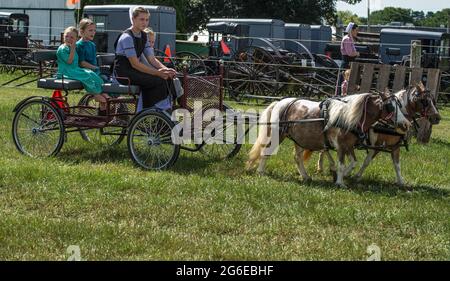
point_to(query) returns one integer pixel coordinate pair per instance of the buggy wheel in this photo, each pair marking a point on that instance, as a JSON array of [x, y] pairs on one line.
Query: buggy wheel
[[223, 143], [9, 60], [108, 136], [193, 62], [38, 129], [253, 71], [166, 61], [150, 141]]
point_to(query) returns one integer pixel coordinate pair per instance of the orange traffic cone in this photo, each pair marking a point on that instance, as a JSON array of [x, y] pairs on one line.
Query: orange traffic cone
[[225, 48], [167, 53]]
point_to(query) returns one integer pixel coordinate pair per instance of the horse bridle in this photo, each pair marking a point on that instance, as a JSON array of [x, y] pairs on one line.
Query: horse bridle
[[390, 108], [423, 97], [386, 106]]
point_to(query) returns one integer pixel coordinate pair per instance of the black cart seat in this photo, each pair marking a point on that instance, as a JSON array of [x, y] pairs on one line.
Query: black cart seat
[[69, 84], [111, 88], [59, 84]]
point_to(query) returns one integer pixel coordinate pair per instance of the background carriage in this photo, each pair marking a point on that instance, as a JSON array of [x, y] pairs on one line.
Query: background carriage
[[14, 43]]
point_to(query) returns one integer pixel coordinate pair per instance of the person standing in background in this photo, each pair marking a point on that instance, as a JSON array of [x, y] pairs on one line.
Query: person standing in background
[[348, 49]]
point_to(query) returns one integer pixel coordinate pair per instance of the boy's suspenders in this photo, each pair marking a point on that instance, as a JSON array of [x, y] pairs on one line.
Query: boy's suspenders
[[139, 46]]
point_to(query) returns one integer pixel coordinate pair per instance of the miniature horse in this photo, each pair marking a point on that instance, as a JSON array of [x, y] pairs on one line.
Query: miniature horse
[[354, 113], [414, 101]]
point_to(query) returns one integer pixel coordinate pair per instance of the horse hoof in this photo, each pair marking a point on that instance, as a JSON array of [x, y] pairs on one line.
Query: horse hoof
[[357, 178], [341, 185], [334, 175], [405, 187], [307, 180]]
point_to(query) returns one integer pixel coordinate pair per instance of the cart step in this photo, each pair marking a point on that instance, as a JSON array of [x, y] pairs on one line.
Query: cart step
[[86, 122]]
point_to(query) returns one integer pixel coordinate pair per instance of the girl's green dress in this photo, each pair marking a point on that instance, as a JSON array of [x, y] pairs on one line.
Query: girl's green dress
[[91, 81]]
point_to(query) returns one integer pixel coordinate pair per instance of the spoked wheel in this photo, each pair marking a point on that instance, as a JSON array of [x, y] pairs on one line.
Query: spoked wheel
[[28, 66], [38, 129], [254, 71], [223, 143], [325, 74], [150, 141], [108, 136], [9, 60], [168, 62], [193, 62]]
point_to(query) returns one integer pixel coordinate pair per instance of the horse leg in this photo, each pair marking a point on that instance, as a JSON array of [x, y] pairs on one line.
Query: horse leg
[[370, 155], [352, 164], [320, 162], [331, 163], [300, 164], [262, 165], [340, 168], [395, 154]]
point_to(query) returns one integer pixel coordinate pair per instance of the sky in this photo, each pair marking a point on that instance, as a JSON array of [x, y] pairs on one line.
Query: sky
[[417, 5]]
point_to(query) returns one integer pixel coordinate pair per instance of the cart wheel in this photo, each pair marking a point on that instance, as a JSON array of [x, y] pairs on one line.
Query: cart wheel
[[254, 71], [193, 62], [224, 143], [108, 136], [9, 60], [38, 129], [150, 141]]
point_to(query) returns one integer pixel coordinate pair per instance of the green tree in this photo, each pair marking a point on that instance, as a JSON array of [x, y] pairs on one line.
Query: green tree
[[391, 14], [345, 17], [436, 19]]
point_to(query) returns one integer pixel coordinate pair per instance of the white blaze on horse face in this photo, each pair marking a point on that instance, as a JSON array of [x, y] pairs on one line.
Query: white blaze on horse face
[[399, 118], [403, 98]]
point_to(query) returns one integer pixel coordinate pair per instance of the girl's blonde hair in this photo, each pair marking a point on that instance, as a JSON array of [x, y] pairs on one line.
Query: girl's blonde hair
[[138, 10], [85, 23], [71, 29], [149, 31], [347, 74]]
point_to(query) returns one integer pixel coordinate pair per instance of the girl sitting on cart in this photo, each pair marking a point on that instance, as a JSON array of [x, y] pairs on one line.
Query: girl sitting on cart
[[68, 67]]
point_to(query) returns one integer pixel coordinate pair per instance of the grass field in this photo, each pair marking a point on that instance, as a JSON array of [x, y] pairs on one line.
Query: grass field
[[204, 209]]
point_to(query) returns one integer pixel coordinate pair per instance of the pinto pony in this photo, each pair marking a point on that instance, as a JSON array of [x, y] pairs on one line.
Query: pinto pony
[[356, 113], [415, 102]]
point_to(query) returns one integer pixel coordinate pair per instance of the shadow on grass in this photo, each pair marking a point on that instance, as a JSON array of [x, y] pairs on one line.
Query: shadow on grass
[[440, 142], [374, 185], [201, 164], [94, 155], [186, 163]]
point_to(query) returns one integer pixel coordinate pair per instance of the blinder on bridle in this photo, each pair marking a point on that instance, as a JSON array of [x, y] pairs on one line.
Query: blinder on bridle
[[422, 97], [389, 107]]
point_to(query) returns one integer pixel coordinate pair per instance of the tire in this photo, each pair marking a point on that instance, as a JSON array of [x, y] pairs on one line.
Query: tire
[[253, 71], [193, 62], [221, 145], [38, 129], [100, 136], [150, 143]]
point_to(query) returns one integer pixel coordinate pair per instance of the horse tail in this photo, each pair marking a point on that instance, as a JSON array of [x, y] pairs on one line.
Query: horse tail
[[263, 139], [307, 154]]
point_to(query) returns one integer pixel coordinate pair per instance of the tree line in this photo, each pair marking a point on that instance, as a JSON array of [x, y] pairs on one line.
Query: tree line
[[195, 14], [404, 16]]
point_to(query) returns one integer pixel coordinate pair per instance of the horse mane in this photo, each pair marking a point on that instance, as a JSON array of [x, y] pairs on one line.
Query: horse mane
[[347, 112]]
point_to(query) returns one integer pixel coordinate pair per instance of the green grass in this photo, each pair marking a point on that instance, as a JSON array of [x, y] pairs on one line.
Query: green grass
[[203, 209]]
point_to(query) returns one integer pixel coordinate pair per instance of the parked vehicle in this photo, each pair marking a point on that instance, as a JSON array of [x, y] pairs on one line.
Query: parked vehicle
[[14, 50]]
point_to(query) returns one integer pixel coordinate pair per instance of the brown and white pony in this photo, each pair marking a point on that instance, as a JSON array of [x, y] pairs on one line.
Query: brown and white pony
[[356, 112], [415, 102]]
